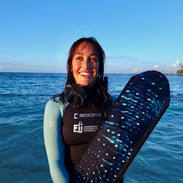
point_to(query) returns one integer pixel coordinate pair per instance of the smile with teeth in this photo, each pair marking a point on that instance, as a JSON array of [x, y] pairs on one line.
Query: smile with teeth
[[85, 74]]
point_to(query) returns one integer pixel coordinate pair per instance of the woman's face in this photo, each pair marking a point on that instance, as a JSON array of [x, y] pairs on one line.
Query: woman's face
[[85, 65]]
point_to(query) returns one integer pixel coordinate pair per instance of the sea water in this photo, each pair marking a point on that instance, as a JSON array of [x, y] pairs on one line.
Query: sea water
[[22, 153]]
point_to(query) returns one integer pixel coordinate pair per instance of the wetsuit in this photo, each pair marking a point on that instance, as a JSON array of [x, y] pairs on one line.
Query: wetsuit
[[55, 148], [78, 126], [67, 131]]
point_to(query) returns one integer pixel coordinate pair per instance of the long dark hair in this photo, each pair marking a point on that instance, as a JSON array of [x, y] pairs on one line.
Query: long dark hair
[[75, 45], [100, 84]]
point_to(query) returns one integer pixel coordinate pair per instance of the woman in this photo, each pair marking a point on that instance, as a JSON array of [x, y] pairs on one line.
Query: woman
[[72, 117]]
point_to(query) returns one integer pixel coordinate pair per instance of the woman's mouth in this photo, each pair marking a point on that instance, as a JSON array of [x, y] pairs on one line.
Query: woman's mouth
[[85, 73]]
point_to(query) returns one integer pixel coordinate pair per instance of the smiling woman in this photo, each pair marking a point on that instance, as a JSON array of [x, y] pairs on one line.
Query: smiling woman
[[68, 123]]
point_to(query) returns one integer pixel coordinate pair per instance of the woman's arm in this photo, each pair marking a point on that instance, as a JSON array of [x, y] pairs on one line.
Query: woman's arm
[[54, 143]]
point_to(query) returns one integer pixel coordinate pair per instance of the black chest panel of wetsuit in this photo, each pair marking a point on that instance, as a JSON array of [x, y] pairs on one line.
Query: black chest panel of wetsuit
[[78, 126]]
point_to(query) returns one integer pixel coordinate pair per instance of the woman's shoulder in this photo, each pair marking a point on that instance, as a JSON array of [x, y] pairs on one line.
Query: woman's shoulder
[[56, 104]]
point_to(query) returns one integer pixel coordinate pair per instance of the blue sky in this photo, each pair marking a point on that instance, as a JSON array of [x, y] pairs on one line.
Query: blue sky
[[137, 35]]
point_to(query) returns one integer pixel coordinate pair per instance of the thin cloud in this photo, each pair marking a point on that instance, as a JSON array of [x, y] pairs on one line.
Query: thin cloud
[[156, 66], [172, 68], [19, 67], [176, 64], [138, 70]]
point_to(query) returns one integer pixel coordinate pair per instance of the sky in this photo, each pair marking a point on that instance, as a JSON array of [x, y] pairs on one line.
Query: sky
[[136, 35]]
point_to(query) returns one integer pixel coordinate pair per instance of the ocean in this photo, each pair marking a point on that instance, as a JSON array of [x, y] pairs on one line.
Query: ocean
[[22, 153]]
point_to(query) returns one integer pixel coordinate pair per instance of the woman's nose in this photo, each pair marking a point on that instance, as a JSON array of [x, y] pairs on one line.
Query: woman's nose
[[86, 63]]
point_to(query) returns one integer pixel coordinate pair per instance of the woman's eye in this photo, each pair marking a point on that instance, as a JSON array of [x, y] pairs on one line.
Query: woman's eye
[[94, 59], [79, 58]]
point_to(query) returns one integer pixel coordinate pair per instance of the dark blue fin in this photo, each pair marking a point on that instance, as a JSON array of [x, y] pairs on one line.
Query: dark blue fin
[[132, 118]]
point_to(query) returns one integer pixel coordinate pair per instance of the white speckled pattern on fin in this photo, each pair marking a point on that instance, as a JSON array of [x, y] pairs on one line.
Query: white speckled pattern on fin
[[134, 115]]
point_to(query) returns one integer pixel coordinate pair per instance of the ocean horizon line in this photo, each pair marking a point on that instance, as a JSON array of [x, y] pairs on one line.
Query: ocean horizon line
[[22, 72], [26, 72]]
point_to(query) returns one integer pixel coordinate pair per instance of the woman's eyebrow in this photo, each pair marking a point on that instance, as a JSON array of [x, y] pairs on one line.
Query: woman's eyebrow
[[93, 54], [79, 54]]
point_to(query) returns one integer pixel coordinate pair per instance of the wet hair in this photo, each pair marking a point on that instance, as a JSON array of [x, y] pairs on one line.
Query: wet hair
[[75, 45], [101, 84]]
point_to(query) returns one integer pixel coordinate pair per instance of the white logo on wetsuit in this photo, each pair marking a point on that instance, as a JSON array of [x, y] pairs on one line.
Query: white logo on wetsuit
[[87, 115], [79, 128], [76, 116]]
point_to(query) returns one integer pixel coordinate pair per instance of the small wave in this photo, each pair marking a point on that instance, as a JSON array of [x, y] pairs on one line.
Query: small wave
[[32, 167]]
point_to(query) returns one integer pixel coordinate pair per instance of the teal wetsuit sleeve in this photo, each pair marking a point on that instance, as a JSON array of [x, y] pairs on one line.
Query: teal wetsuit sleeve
[[54, 143]]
